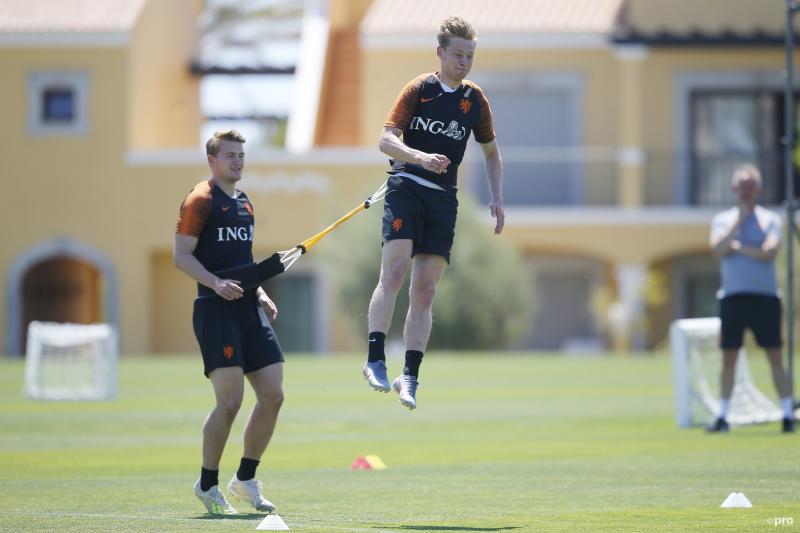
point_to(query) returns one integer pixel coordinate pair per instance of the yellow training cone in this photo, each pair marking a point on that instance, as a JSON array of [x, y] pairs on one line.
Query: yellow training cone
[[375, 462]]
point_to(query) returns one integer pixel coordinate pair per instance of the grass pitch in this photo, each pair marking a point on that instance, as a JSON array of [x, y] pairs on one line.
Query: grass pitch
[[498, 443]]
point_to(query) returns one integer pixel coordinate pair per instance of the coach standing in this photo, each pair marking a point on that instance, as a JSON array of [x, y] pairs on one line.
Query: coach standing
[[746, 239]]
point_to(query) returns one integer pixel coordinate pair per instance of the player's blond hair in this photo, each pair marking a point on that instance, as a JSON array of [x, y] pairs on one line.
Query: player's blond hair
[[455, 26], [746, 171], [212, 145]]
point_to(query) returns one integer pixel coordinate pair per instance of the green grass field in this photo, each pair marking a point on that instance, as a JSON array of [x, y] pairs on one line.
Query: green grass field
[[498, 443]]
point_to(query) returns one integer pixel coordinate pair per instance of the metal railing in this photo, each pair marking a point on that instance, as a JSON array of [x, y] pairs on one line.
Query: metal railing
[[591, 176]]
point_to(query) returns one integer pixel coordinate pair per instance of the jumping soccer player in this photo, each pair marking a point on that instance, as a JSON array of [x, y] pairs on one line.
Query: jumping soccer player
[[746, 239], [215, 232], [425, 136]]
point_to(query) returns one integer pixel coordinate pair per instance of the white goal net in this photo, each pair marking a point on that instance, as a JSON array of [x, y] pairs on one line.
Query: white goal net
[[696, 367], [71, 361]]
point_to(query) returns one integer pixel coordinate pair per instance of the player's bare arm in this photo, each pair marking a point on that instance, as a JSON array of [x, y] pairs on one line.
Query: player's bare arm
[[725, 244], [766, 252], [392, 145], [182, 256], [494, 173]]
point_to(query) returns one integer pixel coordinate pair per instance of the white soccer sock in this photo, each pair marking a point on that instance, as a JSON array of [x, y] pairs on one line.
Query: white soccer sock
[[724, 405], [788, 408]]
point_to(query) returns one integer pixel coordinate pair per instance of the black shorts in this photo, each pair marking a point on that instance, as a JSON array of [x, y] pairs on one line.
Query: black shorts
[[234, 333], [426, 216], [761, 313]]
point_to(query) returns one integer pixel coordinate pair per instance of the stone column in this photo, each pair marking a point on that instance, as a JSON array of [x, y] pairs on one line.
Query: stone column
[[630, 151], [626, 312]]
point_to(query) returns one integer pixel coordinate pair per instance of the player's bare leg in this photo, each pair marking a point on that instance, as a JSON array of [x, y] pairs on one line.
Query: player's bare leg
[[267, 384], [426, 272], [394, 263], [781, 380], [228, 386], [729, 357]]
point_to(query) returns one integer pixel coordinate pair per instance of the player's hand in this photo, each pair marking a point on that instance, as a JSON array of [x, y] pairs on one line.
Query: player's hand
[[269, 306], [435, 163], [228, 289], [496, 208], [735, 245]]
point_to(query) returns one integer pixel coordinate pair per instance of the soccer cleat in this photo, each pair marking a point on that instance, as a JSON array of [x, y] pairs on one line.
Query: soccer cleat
[[214, 500], [375, 374], [720, 425], [406, 388], [788, 425], [250, 491]]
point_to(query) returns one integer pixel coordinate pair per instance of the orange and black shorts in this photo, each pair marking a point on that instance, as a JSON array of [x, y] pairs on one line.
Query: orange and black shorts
[[422, 214], [234, 333]]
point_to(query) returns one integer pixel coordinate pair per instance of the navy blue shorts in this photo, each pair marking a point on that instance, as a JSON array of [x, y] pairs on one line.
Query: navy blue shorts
[[426, 216], [761, 313], [234, 333]]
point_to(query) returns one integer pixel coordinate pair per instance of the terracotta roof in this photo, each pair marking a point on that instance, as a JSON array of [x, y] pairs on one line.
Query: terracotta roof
[[28, 17], [495, 16]]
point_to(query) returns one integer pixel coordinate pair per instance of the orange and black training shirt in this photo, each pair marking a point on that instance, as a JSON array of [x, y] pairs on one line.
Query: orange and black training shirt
[[222, 225], [439, 122]]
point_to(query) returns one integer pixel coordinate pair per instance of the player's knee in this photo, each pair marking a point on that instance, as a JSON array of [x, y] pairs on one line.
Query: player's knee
[[392, 278], [273, 399], [422, 294], [229, 406]]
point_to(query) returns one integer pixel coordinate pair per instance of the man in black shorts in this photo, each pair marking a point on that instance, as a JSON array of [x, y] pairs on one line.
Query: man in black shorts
[[425, 136], [215, 232], [746, 239]]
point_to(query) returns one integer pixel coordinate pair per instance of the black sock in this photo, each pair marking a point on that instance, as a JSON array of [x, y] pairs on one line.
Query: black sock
[[208, 478], [376, 343], [413, 360], [247, 469]]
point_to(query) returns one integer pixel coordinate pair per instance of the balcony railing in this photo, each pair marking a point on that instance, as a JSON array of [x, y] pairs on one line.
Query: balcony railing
[[592, 176]]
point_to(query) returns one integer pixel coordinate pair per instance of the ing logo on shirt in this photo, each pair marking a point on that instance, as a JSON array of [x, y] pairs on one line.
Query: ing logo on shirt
[[465, 105], [227, 352], [454, 130], [397, 223]]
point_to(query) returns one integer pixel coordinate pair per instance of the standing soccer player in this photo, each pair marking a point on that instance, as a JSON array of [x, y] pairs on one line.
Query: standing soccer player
[[215, 232], [746, 239], [425, 136]]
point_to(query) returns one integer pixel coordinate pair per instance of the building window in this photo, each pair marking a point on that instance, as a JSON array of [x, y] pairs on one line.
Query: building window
[[730, 128], [58, 103]]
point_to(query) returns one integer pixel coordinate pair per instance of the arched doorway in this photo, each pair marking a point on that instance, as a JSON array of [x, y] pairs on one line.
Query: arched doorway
[[61, 289], [61, 281]]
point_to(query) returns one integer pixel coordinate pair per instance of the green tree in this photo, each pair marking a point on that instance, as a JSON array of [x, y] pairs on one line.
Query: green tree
[[484, 301]]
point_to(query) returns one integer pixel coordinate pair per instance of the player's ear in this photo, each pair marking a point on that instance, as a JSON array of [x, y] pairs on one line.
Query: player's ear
[[439, 51], [211, 159]]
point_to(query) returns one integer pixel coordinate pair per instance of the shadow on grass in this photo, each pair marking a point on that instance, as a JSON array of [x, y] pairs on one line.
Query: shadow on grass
[[451, 528], [240, 516]]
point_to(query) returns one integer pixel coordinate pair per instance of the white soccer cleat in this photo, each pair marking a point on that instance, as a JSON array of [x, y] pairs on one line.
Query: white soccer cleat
[[406, 388], [214, 500], [375, 374], [250, 491]]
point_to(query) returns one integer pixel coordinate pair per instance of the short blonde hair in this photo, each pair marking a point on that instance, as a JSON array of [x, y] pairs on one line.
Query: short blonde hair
[[212, 145], [455, 26], [746, 171]]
